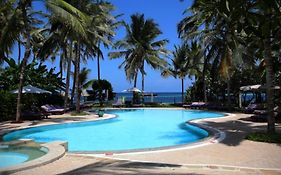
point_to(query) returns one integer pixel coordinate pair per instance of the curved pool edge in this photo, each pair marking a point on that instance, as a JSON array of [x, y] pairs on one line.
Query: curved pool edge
[[56, 150], [215, 136], [2, 133]]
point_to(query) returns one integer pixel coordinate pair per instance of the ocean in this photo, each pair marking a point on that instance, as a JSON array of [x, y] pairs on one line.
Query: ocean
[[159, 97]]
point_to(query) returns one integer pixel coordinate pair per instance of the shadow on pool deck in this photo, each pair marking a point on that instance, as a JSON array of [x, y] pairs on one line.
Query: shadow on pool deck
[[125, 167], [237, 130]]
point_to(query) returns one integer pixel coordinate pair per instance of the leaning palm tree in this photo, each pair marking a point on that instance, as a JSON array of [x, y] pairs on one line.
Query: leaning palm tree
[[140, 46]]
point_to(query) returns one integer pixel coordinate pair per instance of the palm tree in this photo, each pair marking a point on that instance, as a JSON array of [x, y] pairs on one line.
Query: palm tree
[[83, 77], [140, 46], [264, 26], [234, 23], [185, 58], [20, 23], [83, 23], [219, 36]]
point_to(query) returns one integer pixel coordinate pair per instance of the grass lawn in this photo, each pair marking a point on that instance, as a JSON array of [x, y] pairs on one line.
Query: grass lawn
[[265, 137]]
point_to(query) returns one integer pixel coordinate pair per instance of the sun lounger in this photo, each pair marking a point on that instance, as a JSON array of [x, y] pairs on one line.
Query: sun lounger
[[32, 115], [196, 105], [261, 115], [50, 109], [119, 103], [254, 106], [264, 111]]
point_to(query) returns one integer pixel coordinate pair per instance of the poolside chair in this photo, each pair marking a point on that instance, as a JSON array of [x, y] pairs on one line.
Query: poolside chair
[[34, 115], [197, 105], [119, 103], [261, 115], [254, 106], [50, 109], [264, 111]]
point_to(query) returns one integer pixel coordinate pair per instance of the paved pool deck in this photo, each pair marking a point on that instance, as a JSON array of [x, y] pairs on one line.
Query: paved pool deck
[[233, 155]]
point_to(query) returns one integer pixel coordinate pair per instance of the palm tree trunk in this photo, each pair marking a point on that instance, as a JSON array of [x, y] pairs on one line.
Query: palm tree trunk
[[229, 55], [67, 75], [182, 90], [204, 80], [60, 65], [142, 83], [269, 91], [135, 80], [23, 65], [73, 83], [19, 49], [77, 87], [228, 94], [98, 63]]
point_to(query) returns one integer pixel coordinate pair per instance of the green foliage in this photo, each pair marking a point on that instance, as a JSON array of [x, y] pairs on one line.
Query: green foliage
[[30, 102], [7, 106], [140, 46], [265, 137], [35, 74], [99, 90]]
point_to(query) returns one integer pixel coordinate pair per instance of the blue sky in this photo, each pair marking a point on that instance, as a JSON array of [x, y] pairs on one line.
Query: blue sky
[[167, 13]]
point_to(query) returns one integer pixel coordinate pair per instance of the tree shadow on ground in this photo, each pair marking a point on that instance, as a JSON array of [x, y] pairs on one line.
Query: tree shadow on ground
[[236, 130], [112, 167]]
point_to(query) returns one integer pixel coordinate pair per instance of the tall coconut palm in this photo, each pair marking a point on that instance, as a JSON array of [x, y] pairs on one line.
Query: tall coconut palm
[[185, 58], [219, 34], [82, 21], [140, 46], [233, 19], [263, 26], [20, 23]]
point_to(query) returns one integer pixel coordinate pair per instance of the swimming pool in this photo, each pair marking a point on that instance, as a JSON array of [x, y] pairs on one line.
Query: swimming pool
[[11, 156], [131, 130]]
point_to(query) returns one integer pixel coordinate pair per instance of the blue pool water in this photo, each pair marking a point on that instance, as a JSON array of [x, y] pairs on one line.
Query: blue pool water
[[132, 129], [11, 156]]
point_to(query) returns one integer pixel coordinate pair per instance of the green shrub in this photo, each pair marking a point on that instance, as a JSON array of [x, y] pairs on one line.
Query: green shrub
[[30, 102], [265, 137], [8, 103]]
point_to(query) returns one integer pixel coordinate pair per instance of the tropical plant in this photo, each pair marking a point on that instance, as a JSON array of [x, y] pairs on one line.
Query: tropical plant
[[139, 47], [36, 74], [80, 26], [83, 77], [264, 27], [100, 86], [185, 58], [238, 23], [20, 23]]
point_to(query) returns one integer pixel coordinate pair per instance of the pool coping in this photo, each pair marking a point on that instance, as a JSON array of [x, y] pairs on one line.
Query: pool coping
[[56, 150]]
